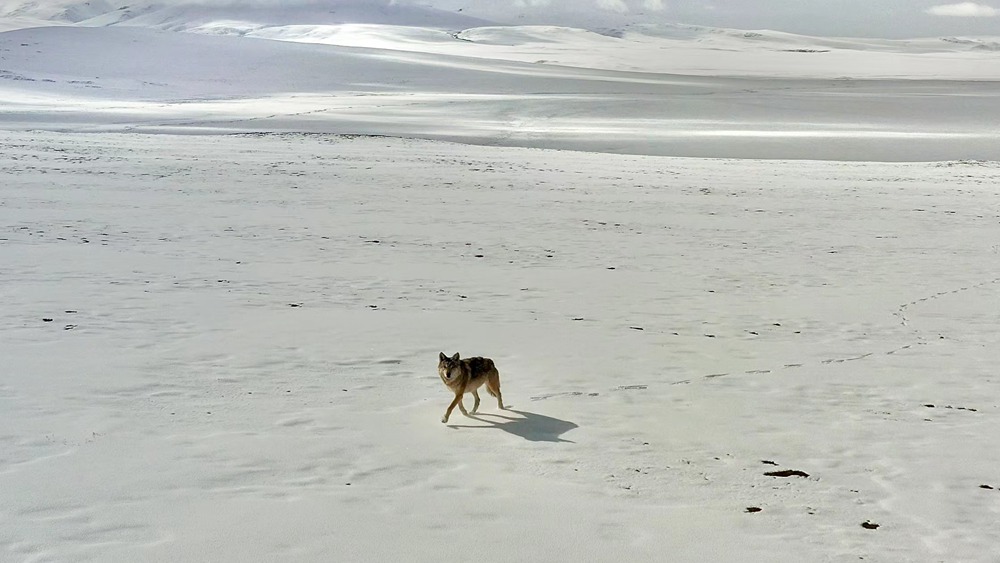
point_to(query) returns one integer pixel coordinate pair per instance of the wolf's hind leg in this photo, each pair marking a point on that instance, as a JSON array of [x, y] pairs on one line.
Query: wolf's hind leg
[[493, 387], [475, 394]]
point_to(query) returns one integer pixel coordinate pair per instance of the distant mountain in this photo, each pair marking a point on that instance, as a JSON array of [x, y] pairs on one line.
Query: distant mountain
[[609, 17], [58, 11], [854, 18], [900, 19], [183, 15]]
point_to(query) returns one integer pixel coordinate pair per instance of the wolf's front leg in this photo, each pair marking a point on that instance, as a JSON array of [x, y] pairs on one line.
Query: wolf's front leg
[[451, 407]]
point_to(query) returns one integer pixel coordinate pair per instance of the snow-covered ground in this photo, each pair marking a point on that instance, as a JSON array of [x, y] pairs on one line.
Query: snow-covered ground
[[233, 241], [239, 357]]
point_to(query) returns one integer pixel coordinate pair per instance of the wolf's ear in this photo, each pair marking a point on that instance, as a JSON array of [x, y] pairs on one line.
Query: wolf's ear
[[455, 357], [442, 357]]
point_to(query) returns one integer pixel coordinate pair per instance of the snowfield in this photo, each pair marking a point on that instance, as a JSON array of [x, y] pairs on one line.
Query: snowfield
[[224, 348], [741, 287], [716, 95]]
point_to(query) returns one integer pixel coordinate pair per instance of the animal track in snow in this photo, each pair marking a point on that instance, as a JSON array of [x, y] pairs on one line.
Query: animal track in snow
[[902, 309]]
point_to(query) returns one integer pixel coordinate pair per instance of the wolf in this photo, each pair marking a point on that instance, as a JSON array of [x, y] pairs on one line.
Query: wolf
[[467, 376]]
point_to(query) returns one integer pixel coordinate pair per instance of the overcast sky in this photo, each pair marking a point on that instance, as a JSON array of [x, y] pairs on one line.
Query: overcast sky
[[864, 18], [878, 18]]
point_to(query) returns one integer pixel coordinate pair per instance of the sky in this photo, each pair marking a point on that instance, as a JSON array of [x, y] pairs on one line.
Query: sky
[[866, 18]]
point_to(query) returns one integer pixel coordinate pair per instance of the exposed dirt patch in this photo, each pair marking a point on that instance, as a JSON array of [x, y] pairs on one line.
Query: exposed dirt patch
[[787, 473]]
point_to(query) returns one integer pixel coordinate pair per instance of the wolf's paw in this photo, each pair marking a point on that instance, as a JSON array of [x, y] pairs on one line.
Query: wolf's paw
[[444, 419]]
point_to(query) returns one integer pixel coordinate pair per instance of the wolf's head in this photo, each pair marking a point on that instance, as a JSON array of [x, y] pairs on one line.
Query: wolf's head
[[449, 368]]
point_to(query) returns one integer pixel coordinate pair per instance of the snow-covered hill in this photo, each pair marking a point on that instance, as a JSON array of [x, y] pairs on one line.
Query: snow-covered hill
[[855, 18], [128, 78], [183, 15]]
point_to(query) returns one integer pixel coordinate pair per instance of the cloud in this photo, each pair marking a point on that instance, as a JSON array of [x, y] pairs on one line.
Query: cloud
[[964, 10], [654, 5], [613, 5]]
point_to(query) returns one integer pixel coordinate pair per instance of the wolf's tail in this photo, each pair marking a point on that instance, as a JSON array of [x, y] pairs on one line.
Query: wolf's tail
[[493, 383]]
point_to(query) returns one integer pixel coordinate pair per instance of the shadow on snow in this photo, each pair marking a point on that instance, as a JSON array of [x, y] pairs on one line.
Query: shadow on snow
[[530, 426]]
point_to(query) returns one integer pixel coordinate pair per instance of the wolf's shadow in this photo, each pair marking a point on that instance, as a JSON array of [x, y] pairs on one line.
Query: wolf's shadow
[[530, 426]]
